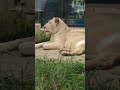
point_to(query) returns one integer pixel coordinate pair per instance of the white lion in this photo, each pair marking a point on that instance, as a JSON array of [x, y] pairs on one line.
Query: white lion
[[63, 38]]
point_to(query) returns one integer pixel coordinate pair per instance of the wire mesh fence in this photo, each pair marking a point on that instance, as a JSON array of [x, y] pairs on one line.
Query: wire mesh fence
[[71, 11]]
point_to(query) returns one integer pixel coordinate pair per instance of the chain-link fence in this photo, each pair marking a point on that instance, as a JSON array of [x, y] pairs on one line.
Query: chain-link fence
[[71, 11]]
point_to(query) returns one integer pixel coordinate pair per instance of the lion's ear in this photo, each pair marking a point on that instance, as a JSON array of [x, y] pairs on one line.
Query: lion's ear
[[57, 20]]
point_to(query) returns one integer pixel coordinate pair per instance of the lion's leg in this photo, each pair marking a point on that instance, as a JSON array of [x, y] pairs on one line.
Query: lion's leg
[[64, 49], [52, 46], [38, 45], [73, 52]]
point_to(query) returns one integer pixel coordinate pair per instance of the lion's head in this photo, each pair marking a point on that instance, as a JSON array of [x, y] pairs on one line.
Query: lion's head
[[54, 25]]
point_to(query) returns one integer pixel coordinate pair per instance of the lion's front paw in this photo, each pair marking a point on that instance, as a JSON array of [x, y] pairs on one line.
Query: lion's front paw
[[65, 53], [39, 45], [64, 50]]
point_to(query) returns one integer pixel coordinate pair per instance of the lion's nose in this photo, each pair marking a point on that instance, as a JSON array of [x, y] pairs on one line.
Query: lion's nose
[[44, 27]]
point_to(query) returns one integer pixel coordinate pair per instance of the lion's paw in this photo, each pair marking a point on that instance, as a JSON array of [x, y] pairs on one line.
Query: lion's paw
[[65, 53]]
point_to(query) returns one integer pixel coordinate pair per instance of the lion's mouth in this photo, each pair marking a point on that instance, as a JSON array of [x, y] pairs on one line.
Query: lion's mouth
[[47, 31]]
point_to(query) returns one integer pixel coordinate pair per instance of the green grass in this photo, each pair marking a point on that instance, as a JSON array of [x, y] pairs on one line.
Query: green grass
[[19, 80], [104, 84], [53, 74], [41, 36], [57, 74]]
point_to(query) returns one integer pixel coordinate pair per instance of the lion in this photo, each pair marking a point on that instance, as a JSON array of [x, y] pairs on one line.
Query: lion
[[63, 38]]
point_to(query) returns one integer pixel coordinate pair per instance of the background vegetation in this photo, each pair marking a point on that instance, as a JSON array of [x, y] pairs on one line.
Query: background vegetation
[[17, 80], [100, 84], [12, 28], [41, 36]]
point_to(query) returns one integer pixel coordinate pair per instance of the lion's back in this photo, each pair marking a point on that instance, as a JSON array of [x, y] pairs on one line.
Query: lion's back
[[73, 37]]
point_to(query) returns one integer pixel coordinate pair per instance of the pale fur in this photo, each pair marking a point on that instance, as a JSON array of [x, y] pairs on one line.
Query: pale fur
[[71, 42]]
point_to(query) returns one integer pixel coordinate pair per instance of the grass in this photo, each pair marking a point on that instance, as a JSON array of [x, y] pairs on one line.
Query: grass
[[53, 74], [104, 84], [19, 80], [57, 74], [41, 36]]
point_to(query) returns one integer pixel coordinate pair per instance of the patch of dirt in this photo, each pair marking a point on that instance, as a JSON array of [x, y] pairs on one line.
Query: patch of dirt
[[55, 54]]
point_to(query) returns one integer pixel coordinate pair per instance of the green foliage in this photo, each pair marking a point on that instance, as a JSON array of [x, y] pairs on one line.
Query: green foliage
[[108, 84], [41, 36], [11, 29], [57, 74], [51, 74], [19, 80]]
